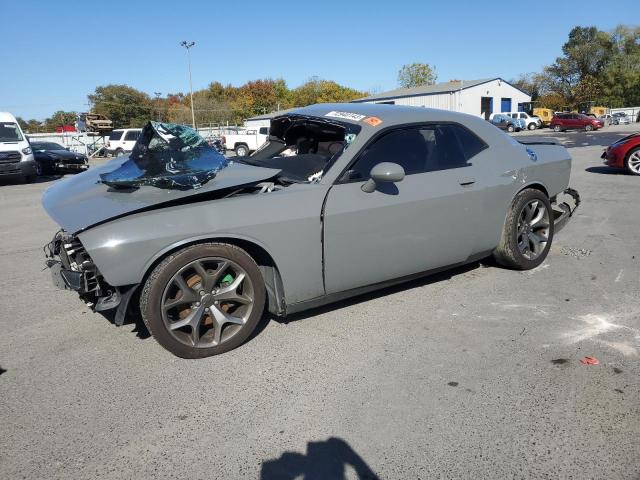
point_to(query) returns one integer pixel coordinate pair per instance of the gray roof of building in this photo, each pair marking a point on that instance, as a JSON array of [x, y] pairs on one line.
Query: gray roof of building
[[445, 87]]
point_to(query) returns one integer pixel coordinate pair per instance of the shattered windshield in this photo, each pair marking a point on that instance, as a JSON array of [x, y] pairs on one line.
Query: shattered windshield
[[167, 155]]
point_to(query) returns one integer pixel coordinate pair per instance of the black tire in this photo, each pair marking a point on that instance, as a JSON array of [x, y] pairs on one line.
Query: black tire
[[510, 129], [588, 128], [532, 126], [507, 253], [627, 161], [40, 169], [119, 152], [242, 150], [557, 128], [157, 282]]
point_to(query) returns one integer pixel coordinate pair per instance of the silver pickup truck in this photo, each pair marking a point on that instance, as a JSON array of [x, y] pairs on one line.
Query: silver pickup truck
[[367, 196]]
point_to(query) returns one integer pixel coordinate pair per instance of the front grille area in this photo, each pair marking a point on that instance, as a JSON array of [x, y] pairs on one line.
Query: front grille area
[[73, 256], [10, 157]]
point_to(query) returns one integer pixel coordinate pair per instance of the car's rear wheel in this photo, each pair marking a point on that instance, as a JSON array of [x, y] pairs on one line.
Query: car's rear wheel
[[532, 126], [557, 128], [527, 233], [203, 300], [510, 128], [242, 150], [632, 162], [119, 152]]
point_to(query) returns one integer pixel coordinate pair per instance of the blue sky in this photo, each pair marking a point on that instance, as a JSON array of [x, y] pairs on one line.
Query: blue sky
[[55, 53]]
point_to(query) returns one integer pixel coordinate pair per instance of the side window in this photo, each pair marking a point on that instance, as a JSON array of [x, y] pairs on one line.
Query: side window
[[264, 130], [404, 147], [131, 136], [419, 150], [471, 145]]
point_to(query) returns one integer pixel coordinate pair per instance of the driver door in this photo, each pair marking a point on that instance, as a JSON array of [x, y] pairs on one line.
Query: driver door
[[423, 222]]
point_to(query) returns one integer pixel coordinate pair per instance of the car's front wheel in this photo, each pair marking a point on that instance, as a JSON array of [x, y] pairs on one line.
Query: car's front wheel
[[527, 233], [632, 162], [510, 129], [588, 128], [557, 128], [203, 300]]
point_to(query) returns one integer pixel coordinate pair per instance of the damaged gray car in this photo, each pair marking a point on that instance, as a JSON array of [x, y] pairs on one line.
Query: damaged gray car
[[342, 199]]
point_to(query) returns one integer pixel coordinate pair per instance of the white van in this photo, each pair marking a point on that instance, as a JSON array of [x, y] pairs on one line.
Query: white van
[[16, 156], [122, 140]]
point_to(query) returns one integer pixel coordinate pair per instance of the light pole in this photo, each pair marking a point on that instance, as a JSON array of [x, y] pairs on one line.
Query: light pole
[[188, 45], [157, 94]]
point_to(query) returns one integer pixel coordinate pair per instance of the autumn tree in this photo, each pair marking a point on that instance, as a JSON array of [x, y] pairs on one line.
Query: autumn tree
[[316, 90], [124, 105], [417, 74]]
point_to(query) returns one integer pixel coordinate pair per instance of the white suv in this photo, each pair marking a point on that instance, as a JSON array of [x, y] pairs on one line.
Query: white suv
[[531, 122], [121, 141]]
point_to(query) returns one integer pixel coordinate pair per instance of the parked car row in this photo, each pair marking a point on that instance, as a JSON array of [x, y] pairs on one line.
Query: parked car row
[[25, 160]]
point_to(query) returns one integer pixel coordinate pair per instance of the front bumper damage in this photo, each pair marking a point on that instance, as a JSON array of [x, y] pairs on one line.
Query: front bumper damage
[[564, 207], [72, 269]]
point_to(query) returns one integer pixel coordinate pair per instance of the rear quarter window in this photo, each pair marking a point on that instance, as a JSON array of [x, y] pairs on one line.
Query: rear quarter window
[[115, 135], [132, 135], [471, 144]]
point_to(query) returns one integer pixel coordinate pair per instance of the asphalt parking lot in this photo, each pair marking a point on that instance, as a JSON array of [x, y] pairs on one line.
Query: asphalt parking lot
[[470, 374]]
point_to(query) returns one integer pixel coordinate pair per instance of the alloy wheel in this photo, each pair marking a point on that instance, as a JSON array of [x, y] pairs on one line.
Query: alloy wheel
[[533, 229], [634, 162], [207, 302]]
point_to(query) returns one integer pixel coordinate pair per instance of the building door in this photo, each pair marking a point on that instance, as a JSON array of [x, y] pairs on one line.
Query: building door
[[505, 105], [486, 106]]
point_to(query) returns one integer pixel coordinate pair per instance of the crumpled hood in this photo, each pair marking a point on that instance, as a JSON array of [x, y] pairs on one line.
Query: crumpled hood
[[81, 201]]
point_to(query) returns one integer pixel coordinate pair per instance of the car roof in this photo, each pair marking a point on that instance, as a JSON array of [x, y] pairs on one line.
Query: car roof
[[388, 114], [7, 117]]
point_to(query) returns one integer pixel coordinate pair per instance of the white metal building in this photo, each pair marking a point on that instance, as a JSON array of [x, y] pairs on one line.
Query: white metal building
[[476, 97]]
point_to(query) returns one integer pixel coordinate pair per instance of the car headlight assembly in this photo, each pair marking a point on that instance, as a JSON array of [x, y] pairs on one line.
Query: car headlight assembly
[[27, 151]]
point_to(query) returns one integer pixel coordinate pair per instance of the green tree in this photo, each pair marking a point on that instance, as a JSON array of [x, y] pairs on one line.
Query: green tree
[[124, 105], [315, 90], [417, 74], [58, 119]]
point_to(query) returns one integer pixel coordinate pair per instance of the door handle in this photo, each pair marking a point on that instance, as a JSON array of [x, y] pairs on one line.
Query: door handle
[[467, 182]]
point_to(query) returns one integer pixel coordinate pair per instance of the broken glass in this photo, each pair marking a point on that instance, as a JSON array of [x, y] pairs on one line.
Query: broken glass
[[167, 155]]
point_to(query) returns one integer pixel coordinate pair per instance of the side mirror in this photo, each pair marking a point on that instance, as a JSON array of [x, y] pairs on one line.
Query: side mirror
[[381, 173]]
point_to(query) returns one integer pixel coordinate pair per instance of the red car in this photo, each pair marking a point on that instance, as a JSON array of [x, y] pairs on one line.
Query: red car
[[574, 121], [624, 153]]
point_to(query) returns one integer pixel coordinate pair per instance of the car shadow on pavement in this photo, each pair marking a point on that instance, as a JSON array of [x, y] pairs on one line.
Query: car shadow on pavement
[[383, 292], [325, 460], [606, 170], [132, 317], [2, 370]]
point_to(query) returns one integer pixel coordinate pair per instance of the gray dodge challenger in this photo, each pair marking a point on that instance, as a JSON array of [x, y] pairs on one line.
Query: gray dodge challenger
[[342, 199]]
